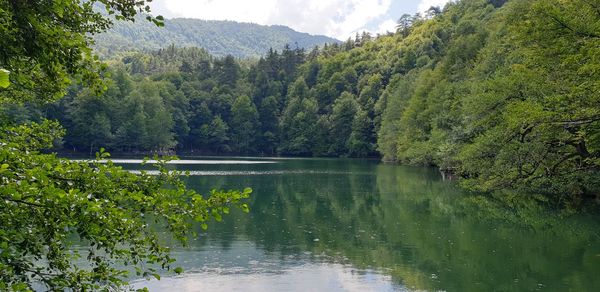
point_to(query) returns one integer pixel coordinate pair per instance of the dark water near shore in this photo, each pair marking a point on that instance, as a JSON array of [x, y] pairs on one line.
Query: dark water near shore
[[359, 225]]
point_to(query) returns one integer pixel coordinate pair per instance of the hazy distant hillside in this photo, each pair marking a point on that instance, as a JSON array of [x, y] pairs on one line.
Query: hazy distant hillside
[[217, 37]]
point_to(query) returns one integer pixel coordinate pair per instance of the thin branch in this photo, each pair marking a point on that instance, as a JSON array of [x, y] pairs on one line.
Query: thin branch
[[577, 32], [23, 202]]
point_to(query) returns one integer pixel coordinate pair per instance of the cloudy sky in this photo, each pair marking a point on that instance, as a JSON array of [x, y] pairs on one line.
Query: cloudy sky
[[336, 18]]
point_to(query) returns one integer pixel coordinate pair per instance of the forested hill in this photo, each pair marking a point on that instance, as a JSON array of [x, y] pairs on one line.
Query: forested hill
[[503, 94], [220, 38]]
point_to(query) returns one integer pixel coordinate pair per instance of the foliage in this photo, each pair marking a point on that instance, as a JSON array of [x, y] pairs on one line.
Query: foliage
[[244, 124], [44, 44], [4, 80], [502, 94], [188, 90], [49, 204], [549, 135], [505, 102]]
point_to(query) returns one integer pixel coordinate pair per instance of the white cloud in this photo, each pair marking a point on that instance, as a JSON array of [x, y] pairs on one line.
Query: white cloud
[[426, 4], [256, 11], [387, 26], [337, 18], [383, 28]]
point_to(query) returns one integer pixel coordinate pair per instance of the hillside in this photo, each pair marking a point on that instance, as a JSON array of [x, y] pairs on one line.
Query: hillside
[[491, 91], [219, 38]]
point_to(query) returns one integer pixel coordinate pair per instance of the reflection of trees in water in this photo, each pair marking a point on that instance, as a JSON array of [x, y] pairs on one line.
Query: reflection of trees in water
[[410, 224]]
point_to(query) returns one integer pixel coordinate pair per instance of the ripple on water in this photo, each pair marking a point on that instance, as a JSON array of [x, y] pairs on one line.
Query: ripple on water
[[308, 277], [187, 161], [247, 172]]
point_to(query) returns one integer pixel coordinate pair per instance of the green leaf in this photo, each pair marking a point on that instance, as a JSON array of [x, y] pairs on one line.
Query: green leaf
[[245, 208], [178, 270], [4, 81]]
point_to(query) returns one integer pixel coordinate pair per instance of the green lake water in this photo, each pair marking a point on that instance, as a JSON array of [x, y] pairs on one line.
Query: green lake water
[[360, 225]]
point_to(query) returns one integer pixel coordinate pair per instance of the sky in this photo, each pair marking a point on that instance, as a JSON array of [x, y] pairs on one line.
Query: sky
[[340, 19]]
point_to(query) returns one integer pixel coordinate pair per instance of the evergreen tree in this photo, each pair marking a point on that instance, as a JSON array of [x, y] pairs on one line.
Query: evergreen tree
[[342, 116], [216, 136], [227, 71], [359, 143], [269, 116], [244, 125], [298, 127]]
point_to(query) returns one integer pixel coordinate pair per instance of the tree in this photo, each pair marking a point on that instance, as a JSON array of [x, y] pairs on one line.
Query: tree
[[216, 135], [369, 94], [298, 89], [45, 200], [200, 117], [244, 125], [268, 113], [498, 3], [360, 142], [101, 132], [298, 126], [323, 138], [432, 12], [158, 121], [405, 23], [43, 54], [90, 123], [548, 141], [227, 71], [342, 117]]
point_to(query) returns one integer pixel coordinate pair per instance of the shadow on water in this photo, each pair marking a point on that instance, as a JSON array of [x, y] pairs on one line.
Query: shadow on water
[[389, 227]]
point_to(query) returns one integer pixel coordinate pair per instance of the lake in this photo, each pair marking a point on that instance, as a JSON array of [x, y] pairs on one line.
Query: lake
[[361, 225]]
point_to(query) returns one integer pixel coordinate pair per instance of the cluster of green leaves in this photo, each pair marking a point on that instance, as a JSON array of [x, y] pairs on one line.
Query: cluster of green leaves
[[4, 80], [49, 205], [45, 44], [508, 99]]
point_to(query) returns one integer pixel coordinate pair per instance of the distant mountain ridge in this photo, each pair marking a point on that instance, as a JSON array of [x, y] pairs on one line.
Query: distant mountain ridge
[[219, 38]]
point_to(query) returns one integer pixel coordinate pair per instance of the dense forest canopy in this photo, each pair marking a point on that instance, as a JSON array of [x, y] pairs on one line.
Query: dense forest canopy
[[503, 94], [219, 38]]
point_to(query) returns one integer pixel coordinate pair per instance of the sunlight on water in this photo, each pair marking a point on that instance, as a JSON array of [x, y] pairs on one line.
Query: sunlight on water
[[249, 172], [188, 162], [314, 277], [244, 266]]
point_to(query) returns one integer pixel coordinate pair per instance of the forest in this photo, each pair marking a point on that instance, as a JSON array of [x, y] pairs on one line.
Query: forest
[[500, 94], [220, 38]]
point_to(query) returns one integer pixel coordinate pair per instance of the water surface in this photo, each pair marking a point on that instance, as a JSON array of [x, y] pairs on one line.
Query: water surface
[[359, 225]]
